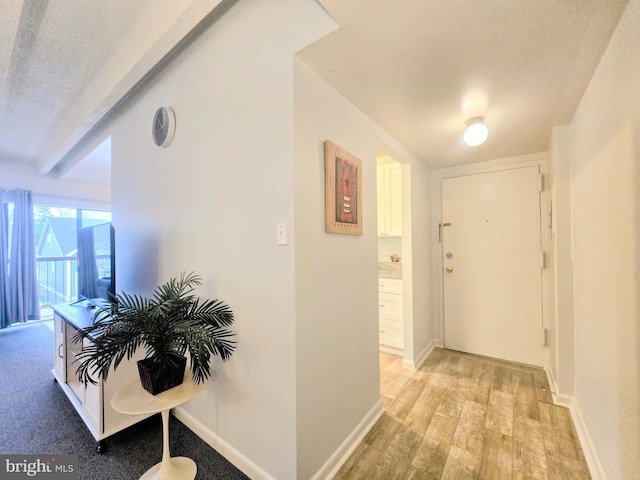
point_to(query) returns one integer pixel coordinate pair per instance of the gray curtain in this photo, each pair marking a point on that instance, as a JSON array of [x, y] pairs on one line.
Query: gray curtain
[[5, 316], [24, 303]]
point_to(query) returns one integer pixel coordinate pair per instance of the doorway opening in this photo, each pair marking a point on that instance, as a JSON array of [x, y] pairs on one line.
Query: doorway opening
[[390, 285]]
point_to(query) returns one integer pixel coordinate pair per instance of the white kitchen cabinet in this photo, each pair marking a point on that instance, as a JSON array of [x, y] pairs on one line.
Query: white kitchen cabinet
[[389, 200], [391, 318]]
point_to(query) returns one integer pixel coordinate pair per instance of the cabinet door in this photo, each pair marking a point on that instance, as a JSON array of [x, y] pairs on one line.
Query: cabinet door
[[93, 404], [382, 200], [390, 285], [389, 176], [394, 189], [72, 350], [390, 311], [59, 361], [390, 306], [391, 334]]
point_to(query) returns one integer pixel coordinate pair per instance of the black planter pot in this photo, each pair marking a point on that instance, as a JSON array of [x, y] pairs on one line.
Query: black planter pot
[[156, 377]]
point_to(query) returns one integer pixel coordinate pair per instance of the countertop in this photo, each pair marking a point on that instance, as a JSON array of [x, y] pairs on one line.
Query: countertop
[[390, 270]]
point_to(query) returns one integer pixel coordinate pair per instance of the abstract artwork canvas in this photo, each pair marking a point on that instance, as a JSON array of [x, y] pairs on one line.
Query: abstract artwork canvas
[[343, 191]]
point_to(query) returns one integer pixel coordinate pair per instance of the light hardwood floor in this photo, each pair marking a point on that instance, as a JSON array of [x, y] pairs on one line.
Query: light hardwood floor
[[463, 416]]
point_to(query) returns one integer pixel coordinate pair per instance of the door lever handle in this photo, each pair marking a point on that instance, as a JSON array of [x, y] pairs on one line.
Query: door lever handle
[[449, 269], [440, 225]]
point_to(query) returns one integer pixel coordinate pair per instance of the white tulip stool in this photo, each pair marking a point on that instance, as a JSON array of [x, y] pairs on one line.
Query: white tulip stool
[[132, 399]]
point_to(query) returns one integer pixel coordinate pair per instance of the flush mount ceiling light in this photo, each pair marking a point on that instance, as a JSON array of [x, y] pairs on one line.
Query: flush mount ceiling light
[[476, 132]]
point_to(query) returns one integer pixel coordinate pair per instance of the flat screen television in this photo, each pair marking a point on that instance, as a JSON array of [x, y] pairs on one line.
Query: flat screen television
[[97, 264]]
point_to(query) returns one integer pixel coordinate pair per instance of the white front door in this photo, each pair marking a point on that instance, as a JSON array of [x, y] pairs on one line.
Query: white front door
[[491, 261]]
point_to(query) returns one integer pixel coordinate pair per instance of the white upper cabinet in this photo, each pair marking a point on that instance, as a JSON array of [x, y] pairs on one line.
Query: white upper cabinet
[[389, 200]]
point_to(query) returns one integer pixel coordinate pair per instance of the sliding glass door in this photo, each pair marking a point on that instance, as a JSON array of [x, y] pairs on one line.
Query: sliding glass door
[[56, 231]]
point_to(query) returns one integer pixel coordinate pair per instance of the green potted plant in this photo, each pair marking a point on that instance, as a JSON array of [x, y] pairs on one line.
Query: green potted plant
[[168, 325]]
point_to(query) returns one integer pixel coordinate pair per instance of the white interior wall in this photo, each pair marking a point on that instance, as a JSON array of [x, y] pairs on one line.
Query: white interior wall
[[388, 246], [52, 191], [210, 203], [561, 329], [605, 214], [336, 278], [419, 338]]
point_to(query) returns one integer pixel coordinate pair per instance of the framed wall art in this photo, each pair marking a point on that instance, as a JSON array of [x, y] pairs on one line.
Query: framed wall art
[[343, 191]]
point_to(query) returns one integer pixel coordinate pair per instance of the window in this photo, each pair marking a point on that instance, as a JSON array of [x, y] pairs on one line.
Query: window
[[56, 231]]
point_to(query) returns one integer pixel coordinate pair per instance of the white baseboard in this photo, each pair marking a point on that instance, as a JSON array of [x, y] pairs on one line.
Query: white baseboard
[[333, 464], [241, 462], [558, 398], [589, 450], [253, 471], [569, 401], [422, 356]]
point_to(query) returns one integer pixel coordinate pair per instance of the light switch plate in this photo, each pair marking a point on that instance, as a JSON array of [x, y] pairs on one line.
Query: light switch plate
[[281, 232]]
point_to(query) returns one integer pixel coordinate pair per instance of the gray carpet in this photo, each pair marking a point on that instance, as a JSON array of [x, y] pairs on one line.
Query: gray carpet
[[37, 418]]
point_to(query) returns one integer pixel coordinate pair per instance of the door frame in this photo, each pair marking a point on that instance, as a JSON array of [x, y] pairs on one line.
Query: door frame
[[437, 274], [410, 358]]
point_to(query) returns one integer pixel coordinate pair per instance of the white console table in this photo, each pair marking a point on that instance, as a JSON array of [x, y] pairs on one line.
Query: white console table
[[132, 399], [92, 402]]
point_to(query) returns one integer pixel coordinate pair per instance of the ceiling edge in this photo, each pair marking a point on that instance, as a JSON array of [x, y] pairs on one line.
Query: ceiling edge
[[64, 148]]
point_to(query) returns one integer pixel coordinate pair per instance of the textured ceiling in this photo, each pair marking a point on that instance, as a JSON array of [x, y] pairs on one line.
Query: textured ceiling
[[55, 54], [418, 68], [421, 68], [65, 65]]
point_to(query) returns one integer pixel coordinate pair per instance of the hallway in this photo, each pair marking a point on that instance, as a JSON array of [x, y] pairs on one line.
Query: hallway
[[462, 416]]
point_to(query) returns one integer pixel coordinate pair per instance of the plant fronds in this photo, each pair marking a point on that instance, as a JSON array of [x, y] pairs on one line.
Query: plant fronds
[[173, 321]]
